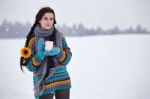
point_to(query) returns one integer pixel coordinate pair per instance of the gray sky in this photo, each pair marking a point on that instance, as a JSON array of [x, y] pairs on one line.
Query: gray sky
[[92, 13]]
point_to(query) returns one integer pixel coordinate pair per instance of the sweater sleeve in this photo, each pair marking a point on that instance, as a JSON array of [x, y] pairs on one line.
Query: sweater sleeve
[[65, 55], [33, 61]]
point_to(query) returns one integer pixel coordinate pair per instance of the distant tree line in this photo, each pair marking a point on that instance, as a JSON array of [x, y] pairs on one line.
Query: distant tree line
[[19, 30]]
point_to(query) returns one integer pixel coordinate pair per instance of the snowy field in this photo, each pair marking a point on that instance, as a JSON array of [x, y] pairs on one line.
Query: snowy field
[[102, 67]]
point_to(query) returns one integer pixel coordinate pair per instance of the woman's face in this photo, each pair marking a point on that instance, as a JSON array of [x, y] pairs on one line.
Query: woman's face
[[47, 21]]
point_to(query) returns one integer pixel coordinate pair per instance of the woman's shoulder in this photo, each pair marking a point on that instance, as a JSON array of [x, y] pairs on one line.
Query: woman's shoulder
[[59, 32], [31, 42], [62, 35]]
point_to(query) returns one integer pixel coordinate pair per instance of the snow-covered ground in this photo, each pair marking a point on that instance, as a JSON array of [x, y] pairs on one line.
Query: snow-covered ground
[[102, 67]]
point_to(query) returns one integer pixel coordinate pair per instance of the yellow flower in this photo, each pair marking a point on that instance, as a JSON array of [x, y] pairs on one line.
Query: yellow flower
[[25, 52]]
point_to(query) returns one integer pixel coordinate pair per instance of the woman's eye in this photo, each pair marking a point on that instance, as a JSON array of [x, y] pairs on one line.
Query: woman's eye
[[45, 18], [51, 18], [48, 19]]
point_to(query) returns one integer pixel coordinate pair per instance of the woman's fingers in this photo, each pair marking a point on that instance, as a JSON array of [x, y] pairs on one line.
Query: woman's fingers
[[54, 51]]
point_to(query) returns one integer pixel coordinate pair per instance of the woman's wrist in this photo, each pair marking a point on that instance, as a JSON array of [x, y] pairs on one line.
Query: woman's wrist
[[39, 57]]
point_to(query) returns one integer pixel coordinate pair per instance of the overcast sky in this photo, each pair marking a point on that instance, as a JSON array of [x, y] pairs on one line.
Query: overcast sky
[[92, 13]]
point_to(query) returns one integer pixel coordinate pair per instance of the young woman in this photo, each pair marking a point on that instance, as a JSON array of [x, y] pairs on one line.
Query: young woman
[[50, 76]]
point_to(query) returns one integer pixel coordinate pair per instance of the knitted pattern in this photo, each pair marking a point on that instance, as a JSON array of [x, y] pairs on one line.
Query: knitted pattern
[[58, 77]]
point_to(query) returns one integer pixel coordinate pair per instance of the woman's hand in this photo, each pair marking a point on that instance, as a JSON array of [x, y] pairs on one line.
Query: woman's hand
[[41, 48], [52, 52]]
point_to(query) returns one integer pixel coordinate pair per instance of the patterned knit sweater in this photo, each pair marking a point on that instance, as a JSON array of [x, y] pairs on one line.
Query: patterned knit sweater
[[60, 78]]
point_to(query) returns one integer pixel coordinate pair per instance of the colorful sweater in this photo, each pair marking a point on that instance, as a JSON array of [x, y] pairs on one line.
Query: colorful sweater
[[60, 78]]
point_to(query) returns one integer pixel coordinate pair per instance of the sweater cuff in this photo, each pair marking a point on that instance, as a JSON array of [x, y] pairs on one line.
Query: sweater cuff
[[61, 56], [37, 60]]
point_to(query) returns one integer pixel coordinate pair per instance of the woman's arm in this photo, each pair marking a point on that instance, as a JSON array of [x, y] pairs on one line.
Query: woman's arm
[[33, 61], [65, 55]]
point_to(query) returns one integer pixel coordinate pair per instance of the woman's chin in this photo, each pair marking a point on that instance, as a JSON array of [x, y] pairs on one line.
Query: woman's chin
[[47, 28]]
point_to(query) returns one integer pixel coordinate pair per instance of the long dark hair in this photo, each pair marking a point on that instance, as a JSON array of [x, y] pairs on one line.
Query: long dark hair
[[38, 17]]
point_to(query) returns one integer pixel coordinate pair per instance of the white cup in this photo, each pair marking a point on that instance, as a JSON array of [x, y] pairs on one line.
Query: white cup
[[49, 45]]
